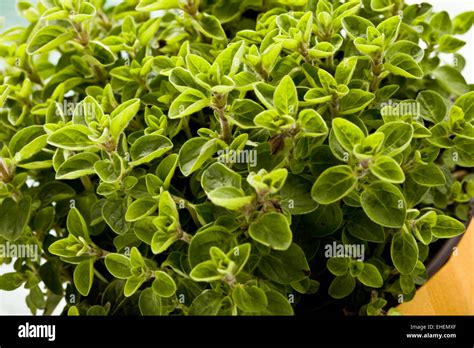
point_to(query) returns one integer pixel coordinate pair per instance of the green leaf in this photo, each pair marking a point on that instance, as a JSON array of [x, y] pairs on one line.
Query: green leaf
[[387, 169], [154, 5], [73, 137], [463, 22], [272, 229], [205, 272], [296, 195], [187, 103], [4, 92], [447, 227], [121, 116], [10, 281], [342, 286], [150, 303], [428, 175], [432, 106], [451, 80], [77, 166], [404, 252], [356, 26], [345, 70], [284, 266], [163, 285], [398, 136], [209, 302], [218, 175], [360, 226], [285, 97], [140, 208], [249, 298], [133, 284], [147, 30], [333, 184], [338, 266], [347, 133], [240, 255], [390, 28], [101, 52], [370, 276], [149, 147], [118, 265], [466, 103], [113, 212], [243, 112], [384, 204], [211, 27], [76, 225], [404, 65], [441, 23], [84, 276], [194, 153], [406, 47], [28, 142], [231, 198], [202, 242], [48, 38], [277, 304], [450, 44]]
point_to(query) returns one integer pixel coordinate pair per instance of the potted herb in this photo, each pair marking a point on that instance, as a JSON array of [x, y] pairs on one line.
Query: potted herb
[[231, 157]]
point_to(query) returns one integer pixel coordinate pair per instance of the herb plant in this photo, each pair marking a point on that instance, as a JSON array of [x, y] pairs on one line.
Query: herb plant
[[202, 157]]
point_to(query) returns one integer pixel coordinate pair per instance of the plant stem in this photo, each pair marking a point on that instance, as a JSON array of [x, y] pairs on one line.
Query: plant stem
[[219, 104], [186, 128], [100, 276], [86, 182], [377, 68]]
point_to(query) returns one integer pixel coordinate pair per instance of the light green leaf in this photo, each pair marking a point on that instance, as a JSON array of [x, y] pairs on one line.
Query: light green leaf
[[249, 298], [404, 65], [404, 252], [428, 175], [149, 147], [163, 285], [347, 133], [194, 153], [188, 103], [333, 184], [370, 276], [285, 97], [387, 169], [118, 265], [342, 286], [77, 166], [231, 198], [384, 204], [272, 229], [48, 38], [84, 276], [447, 227]]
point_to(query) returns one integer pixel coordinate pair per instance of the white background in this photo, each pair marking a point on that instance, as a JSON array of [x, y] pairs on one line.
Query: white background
[[13, 302]]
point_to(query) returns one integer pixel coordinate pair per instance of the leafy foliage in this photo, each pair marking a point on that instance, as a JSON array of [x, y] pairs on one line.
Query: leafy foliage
[[198, 162]]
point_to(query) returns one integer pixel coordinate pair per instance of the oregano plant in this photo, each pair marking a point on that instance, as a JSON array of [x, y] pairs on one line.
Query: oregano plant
[[229, 157]]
